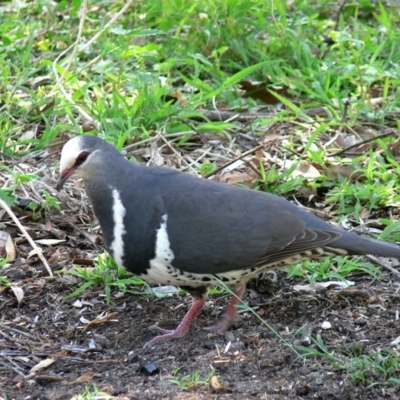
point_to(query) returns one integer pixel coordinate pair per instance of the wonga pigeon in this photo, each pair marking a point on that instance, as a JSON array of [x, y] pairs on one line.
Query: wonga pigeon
[[169, 227]]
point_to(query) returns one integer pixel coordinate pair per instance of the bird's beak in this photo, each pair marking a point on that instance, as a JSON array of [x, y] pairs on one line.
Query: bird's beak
[[64, 177]]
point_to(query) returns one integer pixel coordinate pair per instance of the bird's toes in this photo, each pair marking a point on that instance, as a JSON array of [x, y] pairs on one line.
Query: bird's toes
[[168, 335], [156, 328]]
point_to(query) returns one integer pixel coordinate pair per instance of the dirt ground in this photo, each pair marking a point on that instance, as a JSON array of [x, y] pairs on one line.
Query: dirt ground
[[53, 348], [250, 362]]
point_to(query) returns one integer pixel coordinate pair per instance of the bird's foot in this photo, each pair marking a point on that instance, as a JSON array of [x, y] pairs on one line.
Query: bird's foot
[[231, 314], [182, 329], [157, 328], [167, 334]]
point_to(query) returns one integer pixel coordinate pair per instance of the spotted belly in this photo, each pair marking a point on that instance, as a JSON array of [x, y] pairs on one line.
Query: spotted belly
[[161, 272]]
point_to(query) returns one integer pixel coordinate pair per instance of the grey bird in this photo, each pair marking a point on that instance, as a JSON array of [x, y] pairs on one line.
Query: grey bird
[[169, 227]]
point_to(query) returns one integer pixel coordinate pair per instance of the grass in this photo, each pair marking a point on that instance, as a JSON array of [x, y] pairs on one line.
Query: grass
[[92, 393], [107, 274], [378, 367], [3, 281], [192, 381], [162, 66], [333, 268]]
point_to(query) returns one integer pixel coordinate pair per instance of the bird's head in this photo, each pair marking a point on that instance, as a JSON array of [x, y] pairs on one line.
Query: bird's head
[[78, 158]]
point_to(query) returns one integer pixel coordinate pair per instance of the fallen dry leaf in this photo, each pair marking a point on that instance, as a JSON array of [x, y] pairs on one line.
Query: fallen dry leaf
[[348, 172], [155, 156], [216, 386], [50, 242], [303, 168], [7, 247], [11, 251], [18, 293], [233, 178], [42, 364], [87, 377], [101, 319], [314, 286], [33, 253]]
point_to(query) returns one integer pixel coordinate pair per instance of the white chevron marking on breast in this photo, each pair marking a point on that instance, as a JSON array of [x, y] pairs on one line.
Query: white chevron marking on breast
[[117, 245], [161, 263], [164, 253]]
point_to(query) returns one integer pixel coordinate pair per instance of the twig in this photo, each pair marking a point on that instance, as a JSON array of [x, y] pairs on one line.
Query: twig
[[219, 157], [27, 236], [333, 140], [153, 138], [229, 116], [205, 153], [360, 143], [68, 62], [107, 25], [14, 330], [346, 104], [384, 265], [61, 88], [251, 151], [15, 368], [161, 136]]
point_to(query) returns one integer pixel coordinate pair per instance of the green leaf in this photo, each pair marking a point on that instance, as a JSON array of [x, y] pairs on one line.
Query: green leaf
[[80, 289], [6, 40], [7, 196]]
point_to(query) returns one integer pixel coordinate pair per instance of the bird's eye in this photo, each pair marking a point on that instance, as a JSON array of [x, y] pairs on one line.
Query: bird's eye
[[81, 158]]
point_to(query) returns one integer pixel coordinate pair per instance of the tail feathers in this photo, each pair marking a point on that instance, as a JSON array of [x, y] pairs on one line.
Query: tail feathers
[[351, 242], [358, 245]]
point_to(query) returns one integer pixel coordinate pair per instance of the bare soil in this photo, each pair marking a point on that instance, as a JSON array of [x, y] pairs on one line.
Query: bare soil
[[250, 361]]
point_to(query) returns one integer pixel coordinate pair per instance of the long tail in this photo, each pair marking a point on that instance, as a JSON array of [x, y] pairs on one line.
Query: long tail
[[351, 242], [355, 244]]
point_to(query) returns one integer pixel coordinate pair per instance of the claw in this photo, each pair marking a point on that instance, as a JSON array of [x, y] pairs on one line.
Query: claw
[[182, 329]]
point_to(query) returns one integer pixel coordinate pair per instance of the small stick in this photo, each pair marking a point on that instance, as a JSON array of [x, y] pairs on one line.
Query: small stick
[[27, 236], [360, 143], [384, 265], [251, 151]]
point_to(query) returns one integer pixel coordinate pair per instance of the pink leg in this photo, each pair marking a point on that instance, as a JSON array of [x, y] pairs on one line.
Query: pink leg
[[231, 314], [183, 328]]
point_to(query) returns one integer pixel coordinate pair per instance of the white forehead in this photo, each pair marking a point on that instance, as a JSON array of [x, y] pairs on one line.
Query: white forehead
[[70, 152]]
